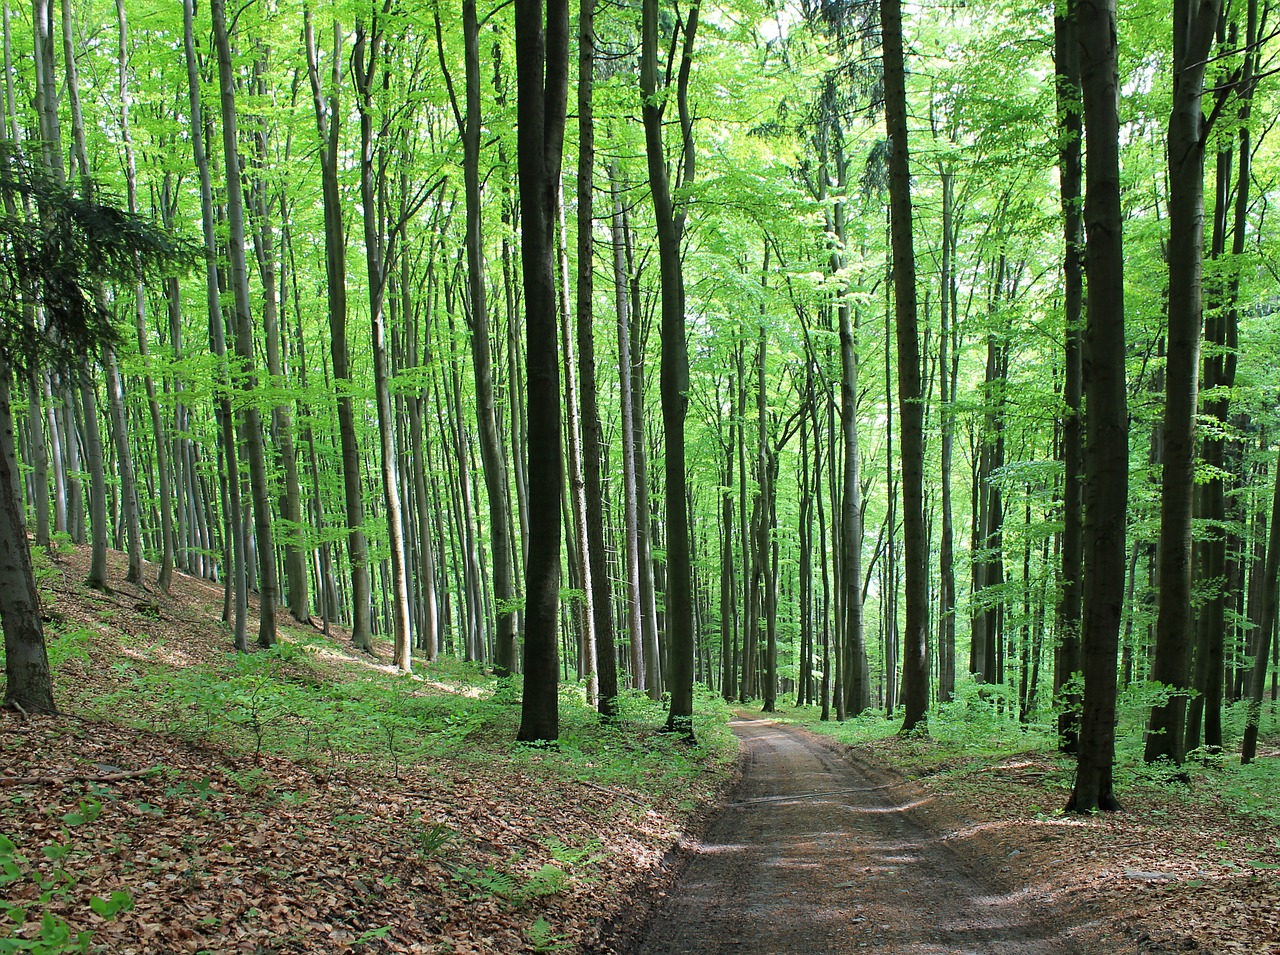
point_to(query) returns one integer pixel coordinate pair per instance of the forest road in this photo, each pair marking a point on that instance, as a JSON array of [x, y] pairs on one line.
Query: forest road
[[818, 855]]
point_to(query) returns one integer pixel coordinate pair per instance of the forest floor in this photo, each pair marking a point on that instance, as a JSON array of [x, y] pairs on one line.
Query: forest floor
[[827, 849], [312, 800]]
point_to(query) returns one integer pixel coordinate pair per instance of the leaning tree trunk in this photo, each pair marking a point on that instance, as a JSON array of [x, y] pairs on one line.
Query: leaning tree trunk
[[542, 71], [915, 639], [1106, 445]]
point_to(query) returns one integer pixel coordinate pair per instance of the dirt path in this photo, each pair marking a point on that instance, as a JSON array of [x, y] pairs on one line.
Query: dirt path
[[817, 855]]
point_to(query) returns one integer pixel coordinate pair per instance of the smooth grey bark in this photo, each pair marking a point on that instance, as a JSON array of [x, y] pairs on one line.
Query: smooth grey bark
[[948, 377], [579, 546], [46, 92], [593, 446], [239, 282], [124, 463], [328, 123], [488, 433], [365, 63], [622, 304], [1222, 334], [237, 577], [269, 270], [1263, 621], [35, 379], [162, 444], [674, 375]]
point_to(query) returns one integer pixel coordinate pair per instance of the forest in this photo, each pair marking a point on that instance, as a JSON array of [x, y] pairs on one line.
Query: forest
[[891, 367]]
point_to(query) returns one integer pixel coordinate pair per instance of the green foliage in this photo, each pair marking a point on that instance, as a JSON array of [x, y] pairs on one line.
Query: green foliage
[[544, 939], [60, 259]]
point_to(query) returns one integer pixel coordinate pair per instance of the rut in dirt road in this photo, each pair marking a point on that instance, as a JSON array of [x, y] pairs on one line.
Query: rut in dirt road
[[815, 856]]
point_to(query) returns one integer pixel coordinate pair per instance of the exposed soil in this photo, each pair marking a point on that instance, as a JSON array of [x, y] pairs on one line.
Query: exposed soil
[[820, 852]]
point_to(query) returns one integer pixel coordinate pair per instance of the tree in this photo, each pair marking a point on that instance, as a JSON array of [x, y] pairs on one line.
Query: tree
[[1067, 67], [915, 645], [542, 71], [674, 377], [239, 280], [1106, 444], [592, 445], [59, 261], [1194, 24], [328, 125]]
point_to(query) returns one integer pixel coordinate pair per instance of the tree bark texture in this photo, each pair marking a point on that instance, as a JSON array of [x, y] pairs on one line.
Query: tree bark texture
[[1106, 446], [542, 68], [1194, 23], [915, 638]]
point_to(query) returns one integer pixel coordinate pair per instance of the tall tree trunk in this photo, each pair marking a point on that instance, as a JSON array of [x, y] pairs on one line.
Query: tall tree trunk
[[124, 463], [542, 68], [579, 547], [328, 121], [237, 582], [857, 681], [1194, 23], [1220, 374], [1264, 623], [47, 93], [365, 62], [948, 364], [140, 317], [491, 459], [35, 378], [239, 281], [1067, 660], [915, 643], [630, 488], [674, 378], [295, 557], [593, 447], [1106, 443]]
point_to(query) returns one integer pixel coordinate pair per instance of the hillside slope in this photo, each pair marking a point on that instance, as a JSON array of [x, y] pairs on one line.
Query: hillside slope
[[309, 799]]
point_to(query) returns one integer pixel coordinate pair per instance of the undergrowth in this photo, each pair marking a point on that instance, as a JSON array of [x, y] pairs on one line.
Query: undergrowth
[[281, 701], [981, 727]]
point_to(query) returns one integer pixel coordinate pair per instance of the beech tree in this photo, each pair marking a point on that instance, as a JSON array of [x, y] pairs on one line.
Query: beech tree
[[542, 80], [1106, 445]]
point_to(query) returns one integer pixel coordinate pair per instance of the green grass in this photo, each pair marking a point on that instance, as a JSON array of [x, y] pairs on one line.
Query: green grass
[[977, 729], [280, 701]]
